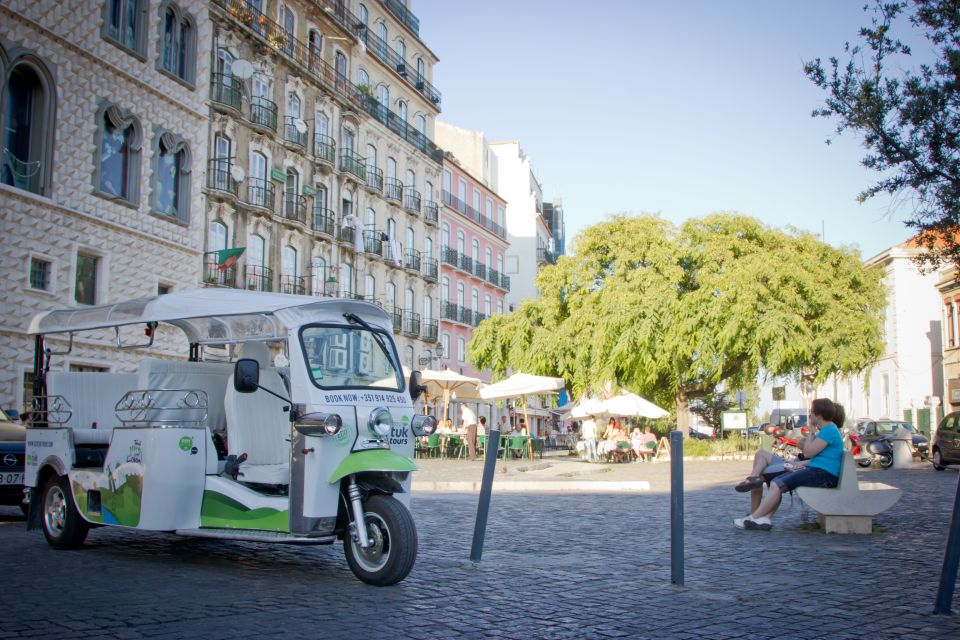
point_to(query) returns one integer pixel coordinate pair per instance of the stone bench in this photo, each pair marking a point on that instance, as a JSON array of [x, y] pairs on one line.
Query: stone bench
[[850, 507]]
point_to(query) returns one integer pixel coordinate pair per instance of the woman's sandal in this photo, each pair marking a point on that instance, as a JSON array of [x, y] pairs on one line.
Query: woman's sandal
[[751, 483]]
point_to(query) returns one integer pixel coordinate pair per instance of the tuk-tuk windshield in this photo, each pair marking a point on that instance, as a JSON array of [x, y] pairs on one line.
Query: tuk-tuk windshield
[[345, 357]]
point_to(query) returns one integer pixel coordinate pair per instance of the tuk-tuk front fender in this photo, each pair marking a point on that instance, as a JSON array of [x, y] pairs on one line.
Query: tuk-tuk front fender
[[372, 460]]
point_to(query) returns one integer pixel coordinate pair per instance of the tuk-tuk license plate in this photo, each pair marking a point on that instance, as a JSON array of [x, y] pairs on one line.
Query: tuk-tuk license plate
[[11, 478]]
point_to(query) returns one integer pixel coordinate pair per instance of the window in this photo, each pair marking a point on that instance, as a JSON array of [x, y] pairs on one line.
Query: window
[[427, 248], [177, 42], [447, 178], [460, 294], [28, 122], [171, 185], [427, 309], [257, 182], [444, 235], [383, 95], [475, 299], [118, 170], [41, 272], [476, 201], [461, 243], [445, 345], [462, 192], [421, 75], [488, 258], [390, 294], [420, 123], [951, 327], [382, 41], [500, 306], [408, 301], [289, 22], [402, 110], [500, 215], [218, 236], [340, 66], [402, 54], [85, 290], [125, 24], [363, 14], [369, 288], [428, 191], [346, 279], [488, 305], [363, 80], [288, 271], [409, 356], [315, 41], [371, 157], [319, 277], [445, 289], [163, 289], [475, 251], [411, 179], [461, 349]]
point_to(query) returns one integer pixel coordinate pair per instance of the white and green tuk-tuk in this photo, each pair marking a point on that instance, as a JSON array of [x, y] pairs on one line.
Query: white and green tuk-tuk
[[288, 420]]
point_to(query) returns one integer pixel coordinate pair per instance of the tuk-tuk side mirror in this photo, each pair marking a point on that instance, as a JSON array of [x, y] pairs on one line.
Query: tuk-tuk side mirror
[[416, 389], [246, 375]]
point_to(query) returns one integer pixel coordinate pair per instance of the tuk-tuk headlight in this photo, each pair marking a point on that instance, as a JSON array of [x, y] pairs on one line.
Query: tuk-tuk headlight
[[318, 424], [381, 421], [333, 424], [423, 425]]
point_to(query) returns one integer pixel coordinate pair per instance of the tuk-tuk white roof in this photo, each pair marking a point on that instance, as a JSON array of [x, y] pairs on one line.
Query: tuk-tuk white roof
[[213, 315]]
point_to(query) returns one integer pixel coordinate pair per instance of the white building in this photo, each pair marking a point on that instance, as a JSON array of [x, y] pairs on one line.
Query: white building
[[910, 370], [104, 136]]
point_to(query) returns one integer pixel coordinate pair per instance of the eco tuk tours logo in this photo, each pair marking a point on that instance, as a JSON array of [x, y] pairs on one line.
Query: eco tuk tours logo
[[186, 445]]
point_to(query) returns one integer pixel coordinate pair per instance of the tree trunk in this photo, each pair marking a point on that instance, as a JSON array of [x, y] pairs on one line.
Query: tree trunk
[[683, 414]]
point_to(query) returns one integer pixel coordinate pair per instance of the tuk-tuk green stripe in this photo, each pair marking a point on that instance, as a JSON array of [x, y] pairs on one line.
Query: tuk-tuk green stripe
[[373, 460], [223, 512]]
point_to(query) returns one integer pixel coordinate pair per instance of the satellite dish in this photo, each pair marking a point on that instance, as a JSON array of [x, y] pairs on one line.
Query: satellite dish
[[242, 69], [300, 125], [237, 173]]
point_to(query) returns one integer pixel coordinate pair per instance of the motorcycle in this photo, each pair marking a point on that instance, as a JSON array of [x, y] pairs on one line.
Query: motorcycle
[[878, 451], [784, 445]]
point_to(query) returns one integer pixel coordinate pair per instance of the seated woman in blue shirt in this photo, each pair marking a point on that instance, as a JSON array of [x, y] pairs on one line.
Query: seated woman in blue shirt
[[823, 451]]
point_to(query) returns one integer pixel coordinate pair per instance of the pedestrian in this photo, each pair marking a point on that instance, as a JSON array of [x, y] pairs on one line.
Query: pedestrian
[[589, 428], [823, 450], [469, 420]]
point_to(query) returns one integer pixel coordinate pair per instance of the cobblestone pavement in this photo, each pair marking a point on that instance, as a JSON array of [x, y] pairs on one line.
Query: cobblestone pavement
[[554, 566]]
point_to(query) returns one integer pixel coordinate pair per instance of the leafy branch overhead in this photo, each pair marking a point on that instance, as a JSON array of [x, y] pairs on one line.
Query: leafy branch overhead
[[671, 312], [909, 119]]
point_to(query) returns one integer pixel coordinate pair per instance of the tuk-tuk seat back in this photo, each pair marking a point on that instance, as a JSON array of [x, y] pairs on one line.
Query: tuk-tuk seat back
[[93, 397], [257, 425]]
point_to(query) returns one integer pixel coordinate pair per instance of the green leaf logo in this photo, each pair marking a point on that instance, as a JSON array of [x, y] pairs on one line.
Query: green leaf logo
[[186, 443]]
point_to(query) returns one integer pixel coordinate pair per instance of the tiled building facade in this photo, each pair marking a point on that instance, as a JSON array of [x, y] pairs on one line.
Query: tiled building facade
[[104, 126], [321, 165]]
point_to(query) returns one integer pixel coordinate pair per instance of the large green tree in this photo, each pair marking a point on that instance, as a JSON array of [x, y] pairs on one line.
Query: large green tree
[[670, 312], [908, 114]]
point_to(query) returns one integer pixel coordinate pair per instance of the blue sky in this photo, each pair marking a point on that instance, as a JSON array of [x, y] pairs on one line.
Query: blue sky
[[681, 108]]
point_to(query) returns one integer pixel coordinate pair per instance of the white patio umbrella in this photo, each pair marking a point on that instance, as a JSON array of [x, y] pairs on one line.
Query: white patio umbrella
[[586, 406], [444, 383], [631, 405], [520, 385]]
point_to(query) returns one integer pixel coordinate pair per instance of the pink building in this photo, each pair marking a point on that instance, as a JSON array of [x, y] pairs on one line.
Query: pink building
[[473, 242]]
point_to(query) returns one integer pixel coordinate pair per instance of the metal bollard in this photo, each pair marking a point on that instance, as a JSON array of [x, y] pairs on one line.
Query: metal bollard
[[676, 507], [486, 488], [951, 560]]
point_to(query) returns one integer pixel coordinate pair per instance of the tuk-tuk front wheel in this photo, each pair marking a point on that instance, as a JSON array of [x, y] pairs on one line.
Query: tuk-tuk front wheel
[[393, 535], [63, 526]]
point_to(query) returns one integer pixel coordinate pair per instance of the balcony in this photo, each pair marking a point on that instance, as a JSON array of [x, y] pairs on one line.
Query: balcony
[[429, 331], [504, 282], [372, 242], [294, 207], [450, 256], [454, 202], [258, 278], [465, 316], [478, 318], [411, 200], [449, 311], [398, 9], [544, 256], [323, 221], [214, 274], [226, 91], [354, 165], [411, 260], [324, 150], [263, 114], [297, 285], [393, 60], [397, 316], [374, 179], [393, 189], [431, 213], [411, 324], [431, 270], [480, 270], [466, 263], [220, 182], [345, 236], [493, 277], [260, 193], [292, 132]]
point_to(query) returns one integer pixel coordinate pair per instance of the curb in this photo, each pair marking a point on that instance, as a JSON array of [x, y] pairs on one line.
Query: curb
[[534, 486]]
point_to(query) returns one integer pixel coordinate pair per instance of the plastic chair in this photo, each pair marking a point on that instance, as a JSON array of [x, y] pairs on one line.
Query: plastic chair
[[538, 446], [481, 445], [433, 444], [519, 443]]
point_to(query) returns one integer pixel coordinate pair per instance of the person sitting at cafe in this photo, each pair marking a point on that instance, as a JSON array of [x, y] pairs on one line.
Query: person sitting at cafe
[[518, 428], [447, 427], [482, 427]]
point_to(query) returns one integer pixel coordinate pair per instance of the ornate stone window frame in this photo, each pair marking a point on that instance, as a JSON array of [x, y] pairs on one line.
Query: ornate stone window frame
[[121, 119], [139, 49], [166, 142], [181, 17]]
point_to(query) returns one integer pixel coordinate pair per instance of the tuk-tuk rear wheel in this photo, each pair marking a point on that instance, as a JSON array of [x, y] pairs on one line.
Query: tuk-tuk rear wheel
[[63, 526], [394, 550]]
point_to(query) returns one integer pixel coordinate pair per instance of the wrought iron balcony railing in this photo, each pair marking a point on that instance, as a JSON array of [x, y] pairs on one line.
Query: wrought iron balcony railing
[[324, 221], [479, 269], [505, 282], [220, 179], [429, 331], [411, 323], [399, 9], [372, 242], [431, 213], [263, 113], [324, 149], [226, 90], [397, 314], [296, 285], [493, 277], [345, 235], [431, 270], [294, 207], [260, 193], [465, 316], [449, 311], [215, 273], [353, 164], [292, 134], [454, 202], [259, 278], [374, 179], [411, 260], [466, 263], [450, 256], [393, 189], [411, 200]]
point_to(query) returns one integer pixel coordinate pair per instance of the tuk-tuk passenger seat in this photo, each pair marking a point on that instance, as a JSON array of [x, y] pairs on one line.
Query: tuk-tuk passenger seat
[[257, 424]]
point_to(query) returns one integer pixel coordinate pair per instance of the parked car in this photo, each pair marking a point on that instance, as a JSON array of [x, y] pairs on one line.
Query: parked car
[[12, 441], [884, 429], [945, 448]]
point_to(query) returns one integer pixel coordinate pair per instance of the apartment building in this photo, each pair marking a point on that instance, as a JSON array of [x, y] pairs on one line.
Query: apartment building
[[322, 177], [104, 131]]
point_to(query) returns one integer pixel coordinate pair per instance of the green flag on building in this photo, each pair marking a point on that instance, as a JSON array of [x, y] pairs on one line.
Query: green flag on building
[[226, 258]]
